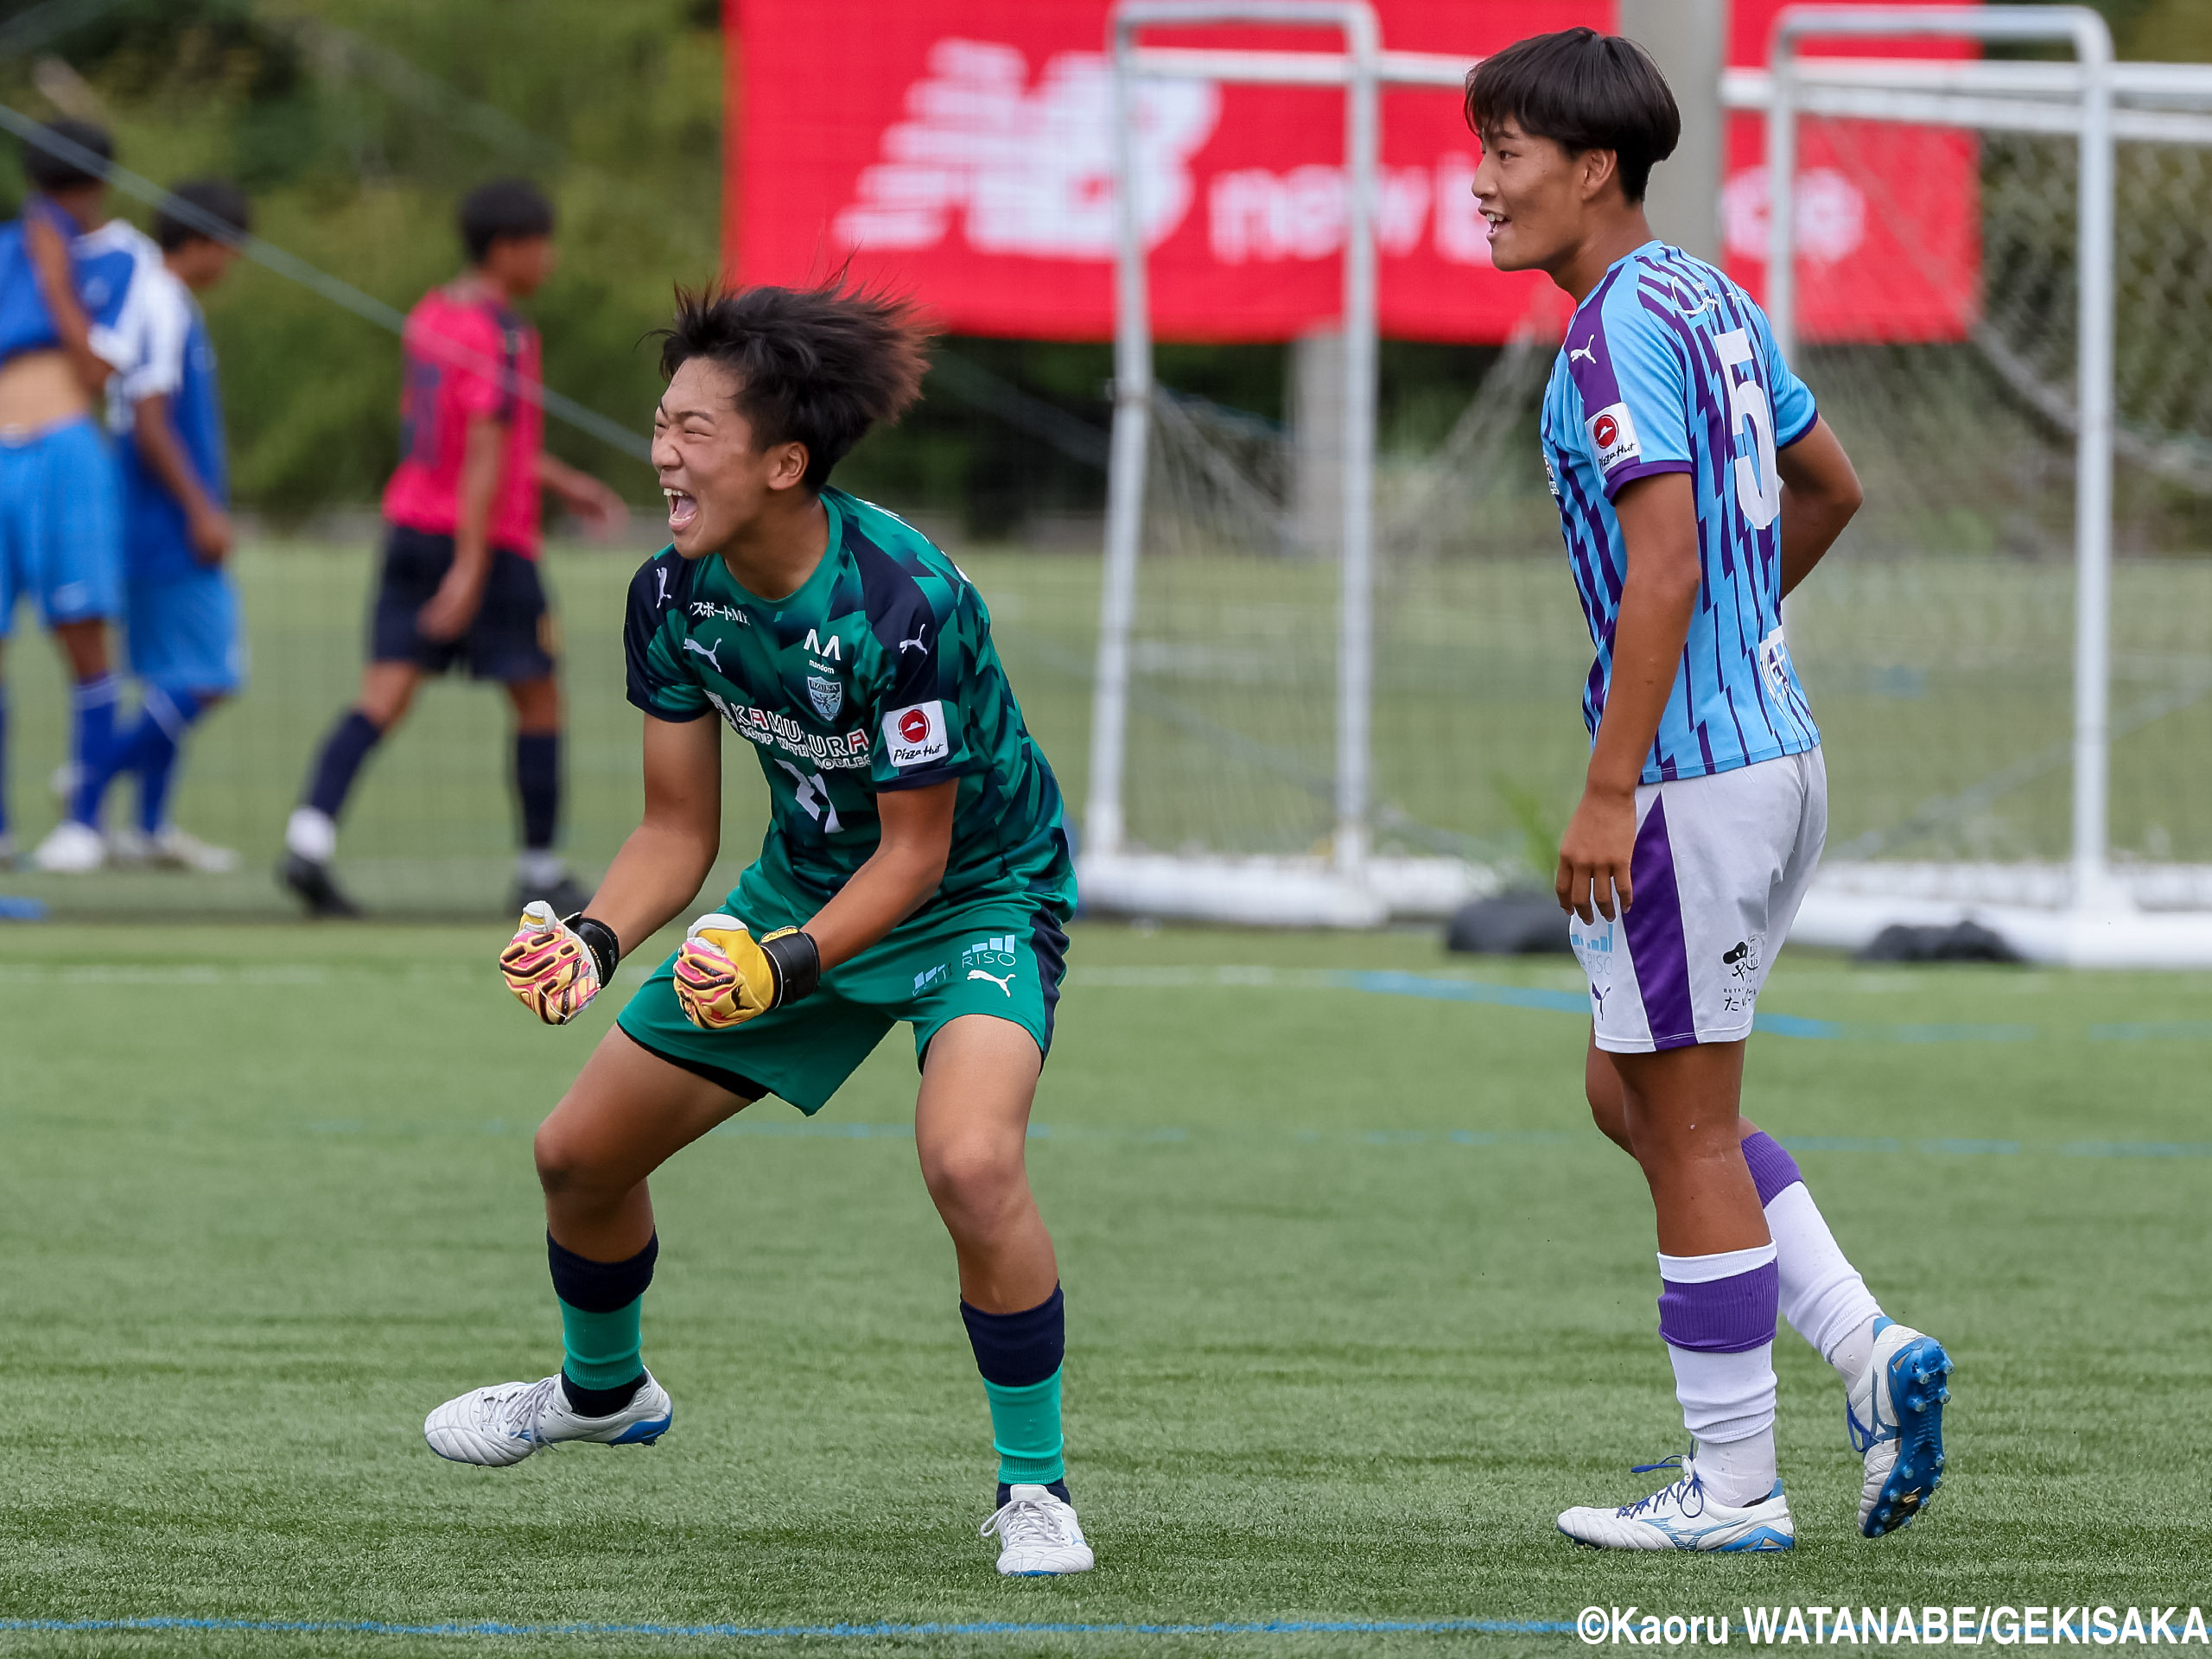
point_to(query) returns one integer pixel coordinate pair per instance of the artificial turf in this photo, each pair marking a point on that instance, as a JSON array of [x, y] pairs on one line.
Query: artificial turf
[[1357, 1301]]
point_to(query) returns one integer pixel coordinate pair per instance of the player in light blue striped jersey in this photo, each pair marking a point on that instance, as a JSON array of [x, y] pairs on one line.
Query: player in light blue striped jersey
[[1697, 485]]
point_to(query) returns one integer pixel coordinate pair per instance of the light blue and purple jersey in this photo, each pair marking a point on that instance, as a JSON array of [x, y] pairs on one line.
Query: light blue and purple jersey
[[1669, 367]]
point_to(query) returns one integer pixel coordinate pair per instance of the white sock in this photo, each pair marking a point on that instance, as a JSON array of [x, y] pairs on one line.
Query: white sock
[[1823, 1297], [1738, 1472], [538, 867], [311, 834]]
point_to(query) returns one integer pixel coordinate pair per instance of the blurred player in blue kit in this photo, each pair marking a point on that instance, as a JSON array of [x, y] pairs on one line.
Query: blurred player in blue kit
[[1697, 485], [186, 643], [65, 290]]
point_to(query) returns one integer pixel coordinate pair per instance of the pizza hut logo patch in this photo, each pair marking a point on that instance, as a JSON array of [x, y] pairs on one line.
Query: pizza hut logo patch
[[1612, 437], [914, 736]]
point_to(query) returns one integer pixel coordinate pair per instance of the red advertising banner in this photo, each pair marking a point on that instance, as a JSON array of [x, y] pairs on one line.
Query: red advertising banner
[[959, 150]]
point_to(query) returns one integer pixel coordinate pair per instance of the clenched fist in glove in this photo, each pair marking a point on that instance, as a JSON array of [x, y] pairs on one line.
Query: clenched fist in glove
[[724, 977], [554, 967]]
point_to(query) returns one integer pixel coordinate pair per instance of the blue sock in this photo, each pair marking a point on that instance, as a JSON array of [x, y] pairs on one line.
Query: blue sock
[[343, 751], [155, 746], [3, 759], [94, 701]]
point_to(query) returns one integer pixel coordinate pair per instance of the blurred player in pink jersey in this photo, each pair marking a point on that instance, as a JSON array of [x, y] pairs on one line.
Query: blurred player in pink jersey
[[460, 582]]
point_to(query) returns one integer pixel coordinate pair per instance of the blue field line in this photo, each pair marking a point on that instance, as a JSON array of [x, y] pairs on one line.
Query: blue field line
[[2152, 1030], [814, 1633]]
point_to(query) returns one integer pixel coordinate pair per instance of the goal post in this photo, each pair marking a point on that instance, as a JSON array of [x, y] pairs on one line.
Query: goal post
[[2026, 361], [1347, 887]]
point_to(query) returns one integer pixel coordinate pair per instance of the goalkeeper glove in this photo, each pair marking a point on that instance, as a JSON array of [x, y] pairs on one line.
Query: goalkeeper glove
[[723, 978], [556, 967]]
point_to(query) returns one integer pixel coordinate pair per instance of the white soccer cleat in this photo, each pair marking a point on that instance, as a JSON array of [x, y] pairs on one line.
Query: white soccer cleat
[[1685, 1517], [128, 848], [172, 849], [1895, 1413], [1038, 1536], [71, 849], [505, 1423]]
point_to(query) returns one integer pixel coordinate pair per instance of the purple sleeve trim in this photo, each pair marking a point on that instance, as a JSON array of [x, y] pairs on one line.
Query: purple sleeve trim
[[1772, 1169], [1643, 469], [1723, 1316], [1811, 420]]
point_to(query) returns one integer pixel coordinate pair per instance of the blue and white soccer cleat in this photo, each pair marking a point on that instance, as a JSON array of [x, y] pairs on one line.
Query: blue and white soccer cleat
[[505, 1423], [1895, 1413], [1685, 1517], [1038, 1536]]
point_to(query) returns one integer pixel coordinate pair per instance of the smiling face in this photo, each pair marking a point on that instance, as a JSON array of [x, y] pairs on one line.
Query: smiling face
[[1539, 197], [719, 484]]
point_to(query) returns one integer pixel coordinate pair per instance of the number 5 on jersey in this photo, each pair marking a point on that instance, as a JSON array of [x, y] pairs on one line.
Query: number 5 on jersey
[[1758, 488]]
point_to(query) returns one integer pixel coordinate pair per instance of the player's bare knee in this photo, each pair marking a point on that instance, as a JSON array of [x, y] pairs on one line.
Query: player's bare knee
[[973, 1176]]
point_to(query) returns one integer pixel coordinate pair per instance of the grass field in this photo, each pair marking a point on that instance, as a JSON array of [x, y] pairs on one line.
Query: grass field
[[1357, 1301], [1942, 687]]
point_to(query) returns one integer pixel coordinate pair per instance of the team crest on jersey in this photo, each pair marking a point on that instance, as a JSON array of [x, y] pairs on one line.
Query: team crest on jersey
[[1612, 437], [827, 697], [1774, 666]]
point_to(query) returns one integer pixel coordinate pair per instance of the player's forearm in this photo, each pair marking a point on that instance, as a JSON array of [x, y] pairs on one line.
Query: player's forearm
[[50, 270], [479, 483], [1820, 494], [895, 882], [1648, 637], [654, 877], [156, 443]]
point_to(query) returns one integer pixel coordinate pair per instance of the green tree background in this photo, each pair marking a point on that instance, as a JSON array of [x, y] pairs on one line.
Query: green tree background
[[356, 123]]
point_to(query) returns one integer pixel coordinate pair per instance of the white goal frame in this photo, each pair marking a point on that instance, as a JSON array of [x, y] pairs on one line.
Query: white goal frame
[[1352, 887], [2090, 915]]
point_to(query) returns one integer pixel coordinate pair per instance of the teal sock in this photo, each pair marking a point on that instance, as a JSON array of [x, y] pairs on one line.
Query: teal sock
[[603, 1350], [1026, 1432]]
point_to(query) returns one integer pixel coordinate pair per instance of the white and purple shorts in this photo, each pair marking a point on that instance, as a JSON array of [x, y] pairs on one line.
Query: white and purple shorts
[[1720, 866]]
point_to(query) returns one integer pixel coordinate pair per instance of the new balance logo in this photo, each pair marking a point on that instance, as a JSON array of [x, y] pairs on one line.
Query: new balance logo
[[1006, 984], [706, 651], [1587, 353]]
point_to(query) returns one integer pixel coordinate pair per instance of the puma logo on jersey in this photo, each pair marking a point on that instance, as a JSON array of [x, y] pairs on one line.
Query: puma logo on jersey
[[706, 651], [915, 644], [660, 597], [1587, 353], [1006, 984]]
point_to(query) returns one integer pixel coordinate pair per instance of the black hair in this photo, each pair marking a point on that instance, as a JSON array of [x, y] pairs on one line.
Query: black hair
[[216, 199], [1583, 90], [50, 172], [813, 365], [505, 207]]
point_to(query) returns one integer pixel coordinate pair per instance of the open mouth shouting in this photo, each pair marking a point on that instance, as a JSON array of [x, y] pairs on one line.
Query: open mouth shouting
[[683, 510]]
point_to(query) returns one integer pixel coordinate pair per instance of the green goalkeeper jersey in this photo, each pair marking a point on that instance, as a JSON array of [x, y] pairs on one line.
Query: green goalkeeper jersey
[[877, 674]]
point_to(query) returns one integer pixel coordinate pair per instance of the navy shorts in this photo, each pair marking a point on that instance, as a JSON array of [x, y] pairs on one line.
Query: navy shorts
[[511, 639]]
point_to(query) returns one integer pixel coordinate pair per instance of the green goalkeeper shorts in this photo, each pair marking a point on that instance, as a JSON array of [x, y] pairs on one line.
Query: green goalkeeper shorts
[[1004, 957]]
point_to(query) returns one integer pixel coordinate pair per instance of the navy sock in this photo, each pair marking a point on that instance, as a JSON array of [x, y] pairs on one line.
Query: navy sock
[[3, 759], [155, 746], [1019, 1350], [343, 751], [537, 782], [1058, 1489], [94, 701]]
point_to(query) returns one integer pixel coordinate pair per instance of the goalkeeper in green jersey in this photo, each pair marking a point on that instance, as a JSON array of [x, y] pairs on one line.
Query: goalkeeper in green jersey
[[916, 868]]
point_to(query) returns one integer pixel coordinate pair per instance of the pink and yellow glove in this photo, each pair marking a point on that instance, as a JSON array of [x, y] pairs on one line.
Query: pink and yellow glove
[[550, 966], [723, 978]]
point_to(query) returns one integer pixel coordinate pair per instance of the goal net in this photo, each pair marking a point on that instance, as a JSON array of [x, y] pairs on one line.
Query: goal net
[[1939, 641]]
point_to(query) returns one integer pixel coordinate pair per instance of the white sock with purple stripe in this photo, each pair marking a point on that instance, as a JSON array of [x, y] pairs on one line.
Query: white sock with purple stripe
[[1717, 1313], [1823, 1297]]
